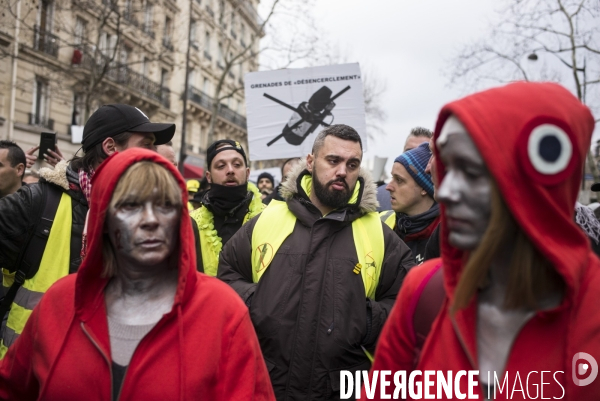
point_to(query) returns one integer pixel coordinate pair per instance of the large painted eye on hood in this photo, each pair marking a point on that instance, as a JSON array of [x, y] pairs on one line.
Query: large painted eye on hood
[[547, 150]]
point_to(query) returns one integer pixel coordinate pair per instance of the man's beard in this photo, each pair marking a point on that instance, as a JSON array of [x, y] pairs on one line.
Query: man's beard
[[329, 197]]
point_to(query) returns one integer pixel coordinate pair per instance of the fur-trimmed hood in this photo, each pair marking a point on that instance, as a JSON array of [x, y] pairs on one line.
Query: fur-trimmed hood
[[57, 175], [367, 203]]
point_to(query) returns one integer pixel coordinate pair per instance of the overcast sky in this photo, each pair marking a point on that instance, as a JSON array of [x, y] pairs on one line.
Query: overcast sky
[[407, 44]]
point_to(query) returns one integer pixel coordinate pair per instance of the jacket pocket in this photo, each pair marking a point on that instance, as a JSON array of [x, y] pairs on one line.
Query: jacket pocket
[[349, 304]]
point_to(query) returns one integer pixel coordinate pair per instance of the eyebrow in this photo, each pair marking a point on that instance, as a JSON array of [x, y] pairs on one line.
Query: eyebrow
[[352, 159]]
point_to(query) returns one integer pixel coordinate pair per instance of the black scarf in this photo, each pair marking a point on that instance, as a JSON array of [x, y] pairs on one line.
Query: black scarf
[[407, 225], [221, 199]]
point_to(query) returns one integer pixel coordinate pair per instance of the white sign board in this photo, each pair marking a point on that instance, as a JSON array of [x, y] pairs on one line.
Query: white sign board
[[286, 109]]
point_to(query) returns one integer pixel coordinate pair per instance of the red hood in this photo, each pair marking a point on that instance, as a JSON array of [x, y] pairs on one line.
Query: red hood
[[500, 122], [90, 286]]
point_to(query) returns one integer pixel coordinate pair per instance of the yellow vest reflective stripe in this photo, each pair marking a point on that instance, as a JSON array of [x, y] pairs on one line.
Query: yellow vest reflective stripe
[[389, 218], [276, 223], [54, 265], [210, 242]]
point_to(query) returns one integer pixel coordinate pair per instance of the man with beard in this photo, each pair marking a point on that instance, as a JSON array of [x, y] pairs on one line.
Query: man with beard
[[319, 271], [229, 203]]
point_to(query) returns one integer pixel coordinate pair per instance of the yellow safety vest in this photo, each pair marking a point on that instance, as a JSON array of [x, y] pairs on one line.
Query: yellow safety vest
[[389, 218], [277, 222], [54, 265], [210, 242]]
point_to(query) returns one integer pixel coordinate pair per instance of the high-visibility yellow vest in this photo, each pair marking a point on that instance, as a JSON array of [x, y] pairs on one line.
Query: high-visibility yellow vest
[[389, 218], [210, 242], [54, 265], [277, 222]]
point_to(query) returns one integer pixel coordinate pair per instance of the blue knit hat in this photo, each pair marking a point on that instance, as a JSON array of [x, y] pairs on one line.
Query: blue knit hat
[[415, 161]]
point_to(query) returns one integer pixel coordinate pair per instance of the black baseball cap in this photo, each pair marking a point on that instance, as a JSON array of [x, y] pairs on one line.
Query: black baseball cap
[[212, 150], [113, 119], [596, 187]]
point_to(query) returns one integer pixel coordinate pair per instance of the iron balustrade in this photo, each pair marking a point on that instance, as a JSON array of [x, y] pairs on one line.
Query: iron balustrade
[[123, 75], [207, 102], [45, 42]]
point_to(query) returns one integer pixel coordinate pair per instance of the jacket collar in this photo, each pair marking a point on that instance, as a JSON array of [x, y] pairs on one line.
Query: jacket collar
[[364, 199]]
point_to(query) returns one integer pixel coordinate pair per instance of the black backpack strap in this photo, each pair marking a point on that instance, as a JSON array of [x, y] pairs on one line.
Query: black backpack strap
[[196, 230], [30, 260], [428, 306]]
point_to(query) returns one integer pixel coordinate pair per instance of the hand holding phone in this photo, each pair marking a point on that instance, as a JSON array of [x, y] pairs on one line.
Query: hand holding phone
[[47, 142]]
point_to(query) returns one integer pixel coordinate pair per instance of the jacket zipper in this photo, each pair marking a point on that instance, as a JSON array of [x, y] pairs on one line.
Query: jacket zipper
[[103, 354]]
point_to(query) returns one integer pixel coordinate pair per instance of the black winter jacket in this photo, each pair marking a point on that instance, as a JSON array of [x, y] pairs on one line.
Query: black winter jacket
[[20, 212], [309, 308]]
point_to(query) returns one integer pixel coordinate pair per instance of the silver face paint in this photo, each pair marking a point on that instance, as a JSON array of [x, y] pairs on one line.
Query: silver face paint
[[466, 189], [143, 234]]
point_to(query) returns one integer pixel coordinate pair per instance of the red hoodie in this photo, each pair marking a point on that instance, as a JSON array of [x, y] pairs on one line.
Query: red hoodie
[[501, 122], [205, 348]]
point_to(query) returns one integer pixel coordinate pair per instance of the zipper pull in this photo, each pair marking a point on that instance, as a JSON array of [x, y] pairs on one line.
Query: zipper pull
[[330, 329]]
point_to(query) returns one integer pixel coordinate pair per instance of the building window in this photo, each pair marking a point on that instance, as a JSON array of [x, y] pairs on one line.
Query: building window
[[168, 30], [194, 35], [40, 106], [206, 86], [149, 19], [164, 78], [46, 15], [191, 77], [144, 66], [78, 109], [80, 31]]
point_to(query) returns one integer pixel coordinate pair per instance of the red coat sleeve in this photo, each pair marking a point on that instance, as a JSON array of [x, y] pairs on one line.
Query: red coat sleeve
[[17, 380], [396, 347], [245, 375]]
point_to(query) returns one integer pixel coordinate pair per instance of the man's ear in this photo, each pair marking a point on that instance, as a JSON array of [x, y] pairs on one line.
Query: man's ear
[[208, 178], [20, 170], [248, 174], [310, 159], [109, 146]]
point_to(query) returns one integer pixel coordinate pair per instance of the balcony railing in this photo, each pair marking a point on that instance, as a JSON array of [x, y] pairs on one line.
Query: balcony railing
[[167, 44], [207, 55], [125, 76], [45, 42], [40, 121], [232, 116], [202, 99]]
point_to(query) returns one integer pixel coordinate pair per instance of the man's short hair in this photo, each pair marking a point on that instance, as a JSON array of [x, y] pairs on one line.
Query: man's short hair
[[341, 131], [96, 155], [421, 132], [15, 155], [291, 159]]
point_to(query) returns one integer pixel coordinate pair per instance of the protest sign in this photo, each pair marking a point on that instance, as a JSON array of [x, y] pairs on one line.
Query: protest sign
[[286, 109]]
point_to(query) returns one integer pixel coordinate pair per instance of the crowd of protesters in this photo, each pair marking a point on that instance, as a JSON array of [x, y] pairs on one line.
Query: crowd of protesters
[[122, 281]]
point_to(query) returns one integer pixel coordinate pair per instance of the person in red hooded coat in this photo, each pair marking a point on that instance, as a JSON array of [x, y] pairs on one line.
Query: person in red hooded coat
[[133, 324], [522, 284]]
